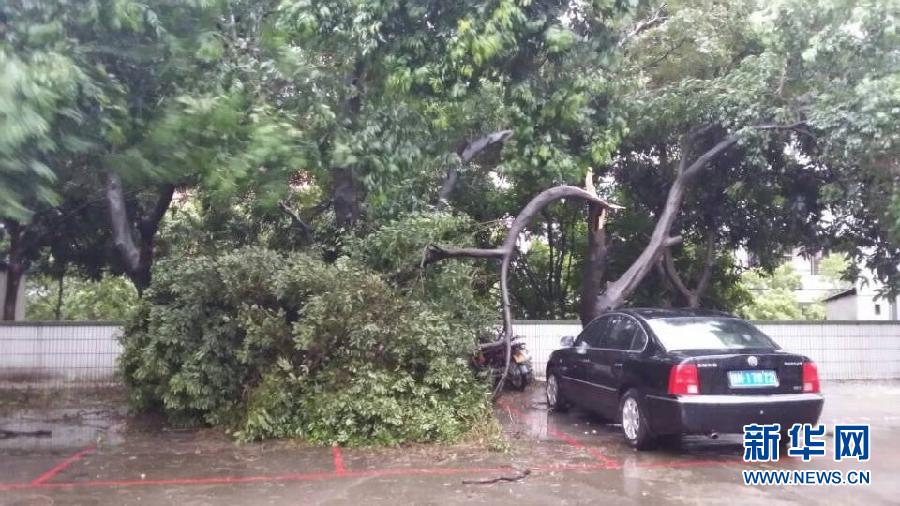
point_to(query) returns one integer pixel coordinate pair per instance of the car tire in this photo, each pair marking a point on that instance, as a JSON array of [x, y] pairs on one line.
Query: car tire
[[555, 400], [635, 427]]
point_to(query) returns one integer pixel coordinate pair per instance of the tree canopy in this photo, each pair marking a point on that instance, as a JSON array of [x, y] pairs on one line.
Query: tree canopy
[[305, 124], [174, 142]]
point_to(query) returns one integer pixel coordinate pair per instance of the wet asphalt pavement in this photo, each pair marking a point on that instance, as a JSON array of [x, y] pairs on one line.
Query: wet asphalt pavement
[[97, 455]]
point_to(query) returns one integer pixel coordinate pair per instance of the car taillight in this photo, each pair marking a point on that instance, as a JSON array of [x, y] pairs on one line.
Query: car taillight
[[810, 377], [683, 379]]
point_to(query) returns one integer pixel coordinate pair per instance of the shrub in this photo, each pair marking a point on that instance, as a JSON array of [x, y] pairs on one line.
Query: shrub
[[109, 298], [284, 345]]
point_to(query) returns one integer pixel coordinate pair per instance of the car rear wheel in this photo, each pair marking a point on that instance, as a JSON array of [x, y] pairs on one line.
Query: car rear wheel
[[634, 421], [554, 395]]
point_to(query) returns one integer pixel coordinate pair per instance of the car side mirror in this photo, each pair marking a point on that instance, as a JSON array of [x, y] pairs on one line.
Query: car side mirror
[[567, 341]]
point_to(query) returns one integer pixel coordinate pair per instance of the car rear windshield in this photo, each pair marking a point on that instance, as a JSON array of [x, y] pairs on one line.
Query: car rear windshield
[[708, 334]]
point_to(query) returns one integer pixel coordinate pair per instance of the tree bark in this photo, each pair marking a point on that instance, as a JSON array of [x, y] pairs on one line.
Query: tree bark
[[137, 252], [123, 237], [13, 280], [345, 189], [469, 151], [16, 265], [435, 253], [59, 294], [594, 264], [345, 197]]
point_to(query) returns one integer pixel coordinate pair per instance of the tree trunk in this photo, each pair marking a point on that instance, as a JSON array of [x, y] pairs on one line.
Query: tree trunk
[[16, 265], [618, 291], [693, 296], [345, 197], [345, 189], [137, 254], [594, 264], [13, 280], [59, 294]]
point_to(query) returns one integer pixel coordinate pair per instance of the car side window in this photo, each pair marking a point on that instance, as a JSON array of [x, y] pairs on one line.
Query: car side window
[[593, 333], [640, 339], [622, 333]]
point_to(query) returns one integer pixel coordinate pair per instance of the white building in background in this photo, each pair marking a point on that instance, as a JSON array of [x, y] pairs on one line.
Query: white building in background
[[842, 301], [814, 287], [861, 302]]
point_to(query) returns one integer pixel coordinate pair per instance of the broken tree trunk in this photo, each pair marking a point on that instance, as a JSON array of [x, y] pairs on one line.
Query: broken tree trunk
[[594, 263], [507, 250], [598, 301]]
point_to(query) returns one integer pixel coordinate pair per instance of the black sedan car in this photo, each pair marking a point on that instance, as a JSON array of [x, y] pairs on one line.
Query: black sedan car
[[667, 372]]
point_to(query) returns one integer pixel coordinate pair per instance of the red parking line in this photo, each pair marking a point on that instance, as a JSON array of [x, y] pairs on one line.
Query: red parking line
[[607, 462], [684, 463], [214, 480], [49, 474], [340, 471], [571, 441], [230, 480], [317, 476], [338, 461]]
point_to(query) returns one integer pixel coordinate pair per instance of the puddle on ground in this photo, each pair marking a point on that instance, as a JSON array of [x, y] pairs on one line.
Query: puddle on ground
[[53, 429]]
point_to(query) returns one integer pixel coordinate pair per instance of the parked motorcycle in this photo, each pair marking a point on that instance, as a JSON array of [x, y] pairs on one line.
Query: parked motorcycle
[[493, 356]]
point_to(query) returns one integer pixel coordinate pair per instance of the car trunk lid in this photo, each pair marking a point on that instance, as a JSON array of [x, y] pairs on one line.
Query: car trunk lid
[[750, 368]]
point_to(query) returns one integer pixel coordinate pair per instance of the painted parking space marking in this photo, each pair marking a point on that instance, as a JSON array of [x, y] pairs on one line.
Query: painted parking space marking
[[601, 462], [338, 458], [612, 463], [50, 473], [607, 462]]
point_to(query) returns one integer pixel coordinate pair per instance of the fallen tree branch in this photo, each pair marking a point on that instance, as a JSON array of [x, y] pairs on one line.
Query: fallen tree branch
[[466, 154], [521, 475], [675, 239], [435, 253], [478, 145], [655, 20], [9, 434], [305, 229], [508, 249]]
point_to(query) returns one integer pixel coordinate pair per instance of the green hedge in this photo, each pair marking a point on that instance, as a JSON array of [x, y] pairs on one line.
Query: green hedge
[[274, 344]]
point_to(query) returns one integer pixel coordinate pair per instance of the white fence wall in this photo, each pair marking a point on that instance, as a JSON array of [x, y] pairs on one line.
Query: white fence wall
[[59, 353], [843, 350], [67, 353]]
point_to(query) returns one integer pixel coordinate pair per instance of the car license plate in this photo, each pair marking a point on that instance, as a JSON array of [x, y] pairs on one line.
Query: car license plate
[[752, 379]]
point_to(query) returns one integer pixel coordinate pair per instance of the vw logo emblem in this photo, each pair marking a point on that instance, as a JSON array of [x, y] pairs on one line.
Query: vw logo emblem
[[752, 361]]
